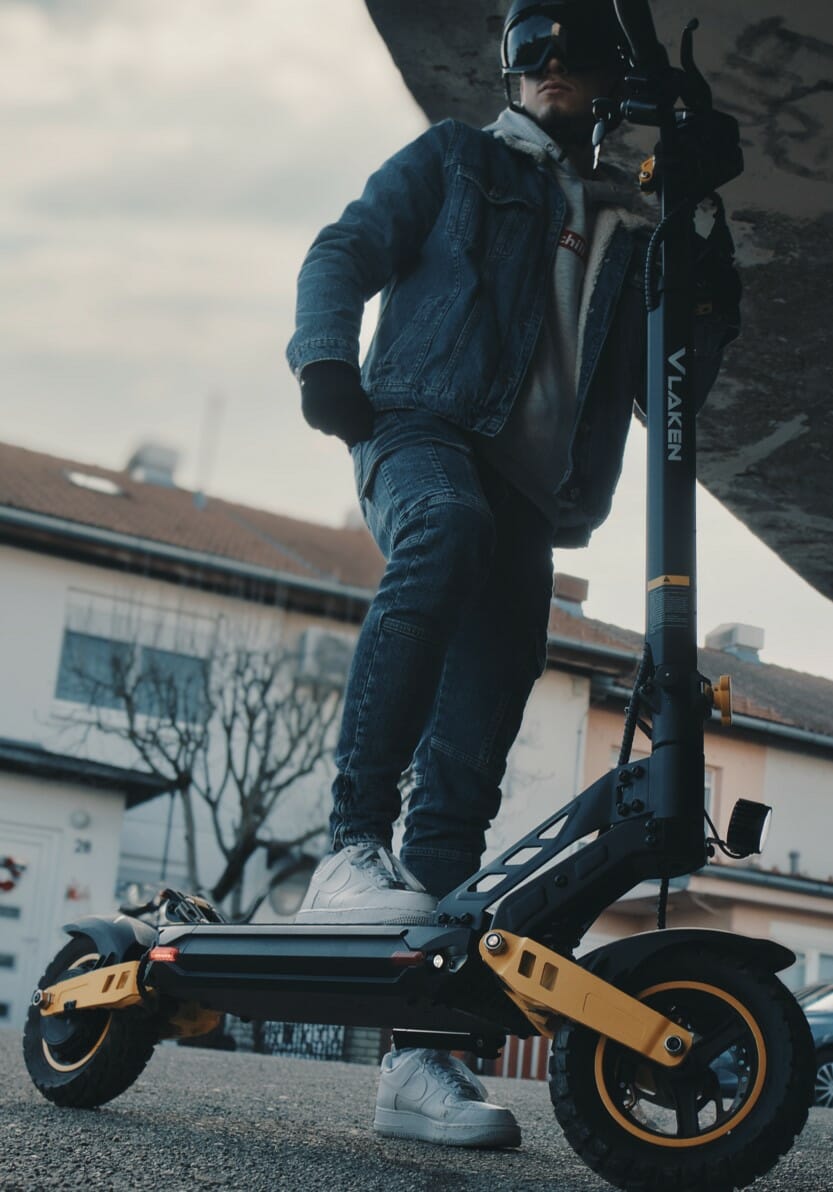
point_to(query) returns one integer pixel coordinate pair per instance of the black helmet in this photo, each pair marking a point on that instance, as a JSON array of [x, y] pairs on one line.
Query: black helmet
[[584, 34]]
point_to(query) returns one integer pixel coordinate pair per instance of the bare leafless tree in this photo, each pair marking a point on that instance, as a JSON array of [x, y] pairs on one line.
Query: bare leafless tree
[[237, 731]]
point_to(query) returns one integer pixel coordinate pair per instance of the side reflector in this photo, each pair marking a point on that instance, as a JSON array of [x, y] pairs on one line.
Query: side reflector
[[407, 959], [163, 955]]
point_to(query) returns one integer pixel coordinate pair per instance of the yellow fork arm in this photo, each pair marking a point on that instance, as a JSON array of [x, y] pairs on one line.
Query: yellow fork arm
[[116, 987], [546, 985]]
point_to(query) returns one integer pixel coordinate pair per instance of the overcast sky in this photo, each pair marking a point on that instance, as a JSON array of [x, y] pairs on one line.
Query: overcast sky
[[166, 165]]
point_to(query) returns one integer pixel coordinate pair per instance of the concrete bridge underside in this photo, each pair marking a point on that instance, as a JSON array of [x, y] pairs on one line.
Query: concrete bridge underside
[[766, 434]]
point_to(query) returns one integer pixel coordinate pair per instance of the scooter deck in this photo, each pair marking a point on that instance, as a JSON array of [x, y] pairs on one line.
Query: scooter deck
[[418, 978]]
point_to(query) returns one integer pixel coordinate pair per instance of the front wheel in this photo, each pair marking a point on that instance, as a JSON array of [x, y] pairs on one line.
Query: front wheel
[[719, 1120], [86, 1057]]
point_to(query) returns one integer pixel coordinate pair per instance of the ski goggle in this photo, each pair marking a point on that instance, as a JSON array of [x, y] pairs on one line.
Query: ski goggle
[[578, 44]]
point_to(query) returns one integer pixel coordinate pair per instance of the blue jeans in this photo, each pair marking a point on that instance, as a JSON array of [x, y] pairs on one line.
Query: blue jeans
[[449, 649]]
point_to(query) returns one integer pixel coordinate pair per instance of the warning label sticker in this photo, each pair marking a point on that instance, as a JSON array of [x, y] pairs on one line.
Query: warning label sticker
[[679, 581], [669, 607]]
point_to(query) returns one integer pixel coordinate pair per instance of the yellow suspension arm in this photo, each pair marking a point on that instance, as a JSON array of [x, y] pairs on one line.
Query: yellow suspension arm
[[114, 987], [546, 985]]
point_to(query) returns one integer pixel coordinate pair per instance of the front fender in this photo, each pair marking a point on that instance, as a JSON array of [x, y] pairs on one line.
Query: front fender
[[621, 957], [118, 937]]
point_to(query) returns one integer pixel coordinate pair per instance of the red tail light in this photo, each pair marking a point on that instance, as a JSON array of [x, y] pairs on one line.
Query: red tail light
[[163, 955]]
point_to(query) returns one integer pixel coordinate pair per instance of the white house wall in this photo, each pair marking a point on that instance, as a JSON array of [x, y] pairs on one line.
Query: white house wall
[[544, 771], [550, 762], [32, 598], [546, 764], [799, 788], [36, 594], [33, 603]]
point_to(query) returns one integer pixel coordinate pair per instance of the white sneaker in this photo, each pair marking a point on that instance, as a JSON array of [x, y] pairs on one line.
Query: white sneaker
[[433, 1096], [365, 883]]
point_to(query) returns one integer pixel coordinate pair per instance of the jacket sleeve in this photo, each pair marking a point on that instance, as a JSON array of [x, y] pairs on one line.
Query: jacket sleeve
[[376, 237]]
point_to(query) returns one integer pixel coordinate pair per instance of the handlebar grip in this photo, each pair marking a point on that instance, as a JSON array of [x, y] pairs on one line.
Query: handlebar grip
[[637, 24]]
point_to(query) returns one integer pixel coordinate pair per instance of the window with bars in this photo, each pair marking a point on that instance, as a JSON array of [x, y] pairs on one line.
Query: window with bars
[[90, 668], [172, 685], [93, 671]]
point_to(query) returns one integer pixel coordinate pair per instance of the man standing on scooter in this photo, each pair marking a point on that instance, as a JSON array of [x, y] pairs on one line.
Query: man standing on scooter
[[486, 426]]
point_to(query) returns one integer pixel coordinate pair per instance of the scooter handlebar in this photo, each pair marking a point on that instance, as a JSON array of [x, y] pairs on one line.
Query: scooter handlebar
[[647, 53]]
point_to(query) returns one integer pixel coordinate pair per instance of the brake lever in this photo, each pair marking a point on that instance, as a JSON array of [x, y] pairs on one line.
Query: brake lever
[[604, 110]]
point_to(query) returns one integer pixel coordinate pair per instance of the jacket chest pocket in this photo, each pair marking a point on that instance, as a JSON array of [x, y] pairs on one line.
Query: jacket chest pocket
[[489, 219]]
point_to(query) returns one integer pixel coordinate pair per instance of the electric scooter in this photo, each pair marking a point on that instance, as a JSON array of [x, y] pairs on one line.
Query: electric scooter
[[678, 1057]]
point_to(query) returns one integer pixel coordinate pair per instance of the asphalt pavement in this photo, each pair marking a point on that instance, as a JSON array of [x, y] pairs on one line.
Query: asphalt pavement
[[227, 1120]]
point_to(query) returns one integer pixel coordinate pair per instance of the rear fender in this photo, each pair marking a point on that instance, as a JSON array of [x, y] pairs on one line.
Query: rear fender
[[117, 938], [619, 958]]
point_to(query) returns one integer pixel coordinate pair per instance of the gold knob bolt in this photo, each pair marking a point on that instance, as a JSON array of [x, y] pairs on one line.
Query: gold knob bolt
[[647, 181], [722, 696]]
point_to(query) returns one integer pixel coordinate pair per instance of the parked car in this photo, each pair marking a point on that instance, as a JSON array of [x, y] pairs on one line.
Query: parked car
[[817, 1003]]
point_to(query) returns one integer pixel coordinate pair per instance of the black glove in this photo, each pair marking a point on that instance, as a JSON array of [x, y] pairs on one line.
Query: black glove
[[718, 288], [708, 149], [333, 401]]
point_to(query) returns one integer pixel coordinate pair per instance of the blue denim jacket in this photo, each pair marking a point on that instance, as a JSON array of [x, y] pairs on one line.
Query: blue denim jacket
[[459, 232]]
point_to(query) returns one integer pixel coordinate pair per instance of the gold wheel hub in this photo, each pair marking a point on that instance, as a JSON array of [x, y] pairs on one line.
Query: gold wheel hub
[[53, 1049], [695, 1105]]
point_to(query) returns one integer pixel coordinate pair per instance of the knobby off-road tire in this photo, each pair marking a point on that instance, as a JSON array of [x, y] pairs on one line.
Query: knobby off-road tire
[[85, 1058], [646, 1131]]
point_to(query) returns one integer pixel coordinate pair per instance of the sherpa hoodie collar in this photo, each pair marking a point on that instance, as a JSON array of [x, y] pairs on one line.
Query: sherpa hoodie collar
[[609, 185]]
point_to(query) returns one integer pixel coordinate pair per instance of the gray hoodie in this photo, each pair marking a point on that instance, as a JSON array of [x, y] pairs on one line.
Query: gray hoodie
[[532, 450]]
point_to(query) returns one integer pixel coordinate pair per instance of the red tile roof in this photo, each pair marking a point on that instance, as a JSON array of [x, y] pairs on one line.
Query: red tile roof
[[36, 483], [759, 690], [32, 481]]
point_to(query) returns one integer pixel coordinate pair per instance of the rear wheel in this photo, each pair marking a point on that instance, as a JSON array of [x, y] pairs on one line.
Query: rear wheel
[[86, 1057], [720, 1119], [824, 1078]]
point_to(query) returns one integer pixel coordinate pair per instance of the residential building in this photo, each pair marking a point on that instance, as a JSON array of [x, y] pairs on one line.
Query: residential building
[[101, 564]]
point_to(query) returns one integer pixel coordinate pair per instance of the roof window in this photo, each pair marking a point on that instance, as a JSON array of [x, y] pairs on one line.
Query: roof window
[[95, 484]]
